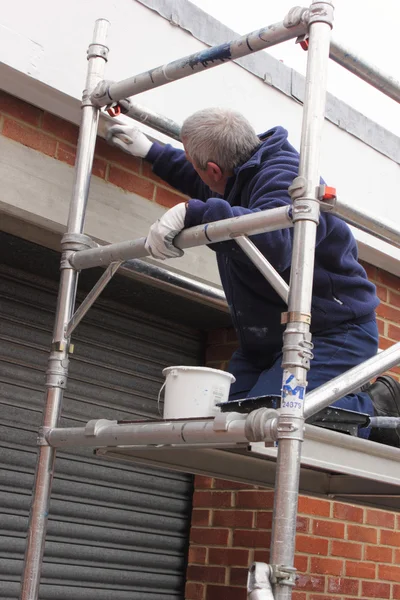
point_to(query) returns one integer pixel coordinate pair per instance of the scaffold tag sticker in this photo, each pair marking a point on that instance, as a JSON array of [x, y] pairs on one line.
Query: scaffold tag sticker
[[292, 396]]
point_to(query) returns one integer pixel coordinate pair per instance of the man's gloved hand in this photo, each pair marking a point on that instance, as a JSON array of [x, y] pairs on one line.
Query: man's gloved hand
[[159, 241], [129, 139]]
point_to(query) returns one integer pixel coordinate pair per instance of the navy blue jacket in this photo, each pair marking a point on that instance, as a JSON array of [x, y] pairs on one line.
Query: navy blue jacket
[[341, 290]]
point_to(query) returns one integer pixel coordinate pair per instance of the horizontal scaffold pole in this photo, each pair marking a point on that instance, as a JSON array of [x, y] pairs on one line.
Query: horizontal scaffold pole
[[226, 428], [151, 119], [365, 71], [266, 37], [365, 222], [218, 231]]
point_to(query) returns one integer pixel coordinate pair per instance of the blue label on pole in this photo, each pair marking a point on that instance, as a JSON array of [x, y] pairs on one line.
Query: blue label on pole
[[292, 394]]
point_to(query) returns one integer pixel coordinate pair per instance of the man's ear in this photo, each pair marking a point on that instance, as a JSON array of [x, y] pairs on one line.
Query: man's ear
[[214, 172]]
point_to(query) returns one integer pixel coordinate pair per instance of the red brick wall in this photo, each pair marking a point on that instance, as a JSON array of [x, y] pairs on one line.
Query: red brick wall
[[57, 138], [342, 551]]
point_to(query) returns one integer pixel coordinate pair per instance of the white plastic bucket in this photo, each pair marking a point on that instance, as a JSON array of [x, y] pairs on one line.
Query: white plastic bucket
[[194, 391]]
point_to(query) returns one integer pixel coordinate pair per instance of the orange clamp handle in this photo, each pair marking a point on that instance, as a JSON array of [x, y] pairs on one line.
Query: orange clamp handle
[[114, 111], [330, 193]]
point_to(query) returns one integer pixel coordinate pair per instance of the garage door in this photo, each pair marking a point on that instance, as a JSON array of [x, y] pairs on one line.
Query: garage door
[[116, 531]]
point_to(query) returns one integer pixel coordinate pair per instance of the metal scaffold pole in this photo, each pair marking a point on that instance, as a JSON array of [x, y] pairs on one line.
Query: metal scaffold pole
[[297, 338], [57, 372]]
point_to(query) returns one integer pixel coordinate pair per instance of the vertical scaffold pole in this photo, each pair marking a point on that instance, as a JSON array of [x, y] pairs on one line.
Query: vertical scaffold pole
[[297, 338], [57, 372]]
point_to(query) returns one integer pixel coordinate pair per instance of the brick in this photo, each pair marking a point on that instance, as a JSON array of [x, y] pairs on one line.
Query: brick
[[346, 549], [299, 595], [220, 351], [371, 270], [311, 545], [60, 128], [264, 519], [394, 298], [212, 499], [380, 518], [251, 538], [388, 279], [216, 336], [360, 569], [371, 589], [396, 592], [168, 198], [348, 512], [201, 481], [238, 576], [380, 554], [390, 538], [301, 563], [384, 343], [67, 154], [331, 529], [201, 518], [206, 574], [219, 592], [323, 597], [229, 557], [359, 533], [209, 537], [33, 138], [393, 332], [343, 585], [197, 555], [326, 566], [233, 518], [310, 583], [255, 499], [232, 335], [302, 524], [222, 365], [313, 506], [382, 293], [19, 109], [99, 168], [131, 182], [381, 326], [147, 171], [388, 312], [261, 555], [194, 591], [112, 154], [221, 484], [389, 573]]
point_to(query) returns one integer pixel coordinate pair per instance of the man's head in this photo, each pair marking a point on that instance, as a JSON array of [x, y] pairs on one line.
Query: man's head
[[216, 140]]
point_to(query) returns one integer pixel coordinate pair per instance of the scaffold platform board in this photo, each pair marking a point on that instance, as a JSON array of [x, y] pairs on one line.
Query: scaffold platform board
[[333, 465]]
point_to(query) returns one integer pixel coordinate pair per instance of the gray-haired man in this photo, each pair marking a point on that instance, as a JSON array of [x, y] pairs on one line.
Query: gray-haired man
[[229, 171]]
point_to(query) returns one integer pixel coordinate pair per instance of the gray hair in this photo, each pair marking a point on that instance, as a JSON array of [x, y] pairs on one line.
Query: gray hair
[[219, 135]]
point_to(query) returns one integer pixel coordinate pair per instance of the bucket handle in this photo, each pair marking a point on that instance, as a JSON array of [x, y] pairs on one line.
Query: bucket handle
[[159, 397]]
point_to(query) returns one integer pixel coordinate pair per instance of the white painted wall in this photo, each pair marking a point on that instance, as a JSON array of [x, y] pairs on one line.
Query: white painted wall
[[43, 60]]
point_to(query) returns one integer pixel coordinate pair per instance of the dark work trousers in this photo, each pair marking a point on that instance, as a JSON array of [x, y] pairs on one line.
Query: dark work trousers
[[335, 351]]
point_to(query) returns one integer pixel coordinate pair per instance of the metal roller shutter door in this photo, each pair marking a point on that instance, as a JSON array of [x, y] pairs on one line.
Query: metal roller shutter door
[[115, 531]]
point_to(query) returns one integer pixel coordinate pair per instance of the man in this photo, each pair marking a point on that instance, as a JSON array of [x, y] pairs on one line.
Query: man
[[228, 171]]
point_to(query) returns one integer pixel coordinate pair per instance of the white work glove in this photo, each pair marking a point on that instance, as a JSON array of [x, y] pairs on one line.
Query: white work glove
[[159, 241], [129, 139]]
